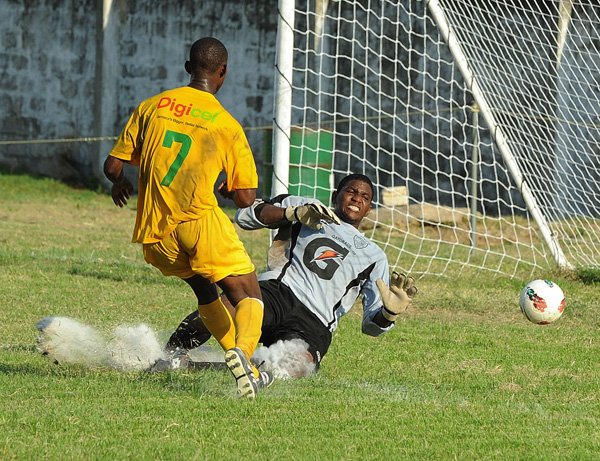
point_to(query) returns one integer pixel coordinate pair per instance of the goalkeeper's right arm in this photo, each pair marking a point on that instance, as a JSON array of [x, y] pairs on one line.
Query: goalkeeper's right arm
[[311, 215], [283, 211]]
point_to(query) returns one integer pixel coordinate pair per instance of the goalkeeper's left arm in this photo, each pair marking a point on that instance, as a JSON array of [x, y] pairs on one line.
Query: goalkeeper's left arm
[[397, 296], [392, 301]]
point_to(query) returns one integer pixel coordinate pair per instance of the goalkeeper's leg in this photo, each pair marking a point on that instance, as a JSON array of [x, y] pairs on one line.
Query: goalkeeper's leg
[[190, 334]]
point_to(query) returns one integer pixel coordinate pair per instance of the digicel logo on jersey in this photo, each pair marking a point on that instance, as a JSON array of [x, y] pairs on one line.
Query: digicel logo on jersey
[[179, 110]]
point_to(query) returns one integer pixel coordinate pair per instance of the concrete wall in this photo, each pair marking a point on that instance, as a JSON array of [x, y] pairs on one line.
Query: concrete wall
[[47, 81], [69, 72], [54, 84]]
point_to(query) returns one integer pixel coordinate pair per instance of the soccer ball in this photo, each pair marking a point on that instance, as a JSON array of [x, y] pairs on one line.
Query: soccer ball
[[542, 301]]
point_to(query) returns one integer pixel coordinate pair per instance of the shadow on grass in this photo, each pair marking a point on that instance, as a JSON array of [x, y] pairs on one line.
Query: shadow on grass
[[22, 369], [19, 347], [589, 276], [47, 369], [117, 273]]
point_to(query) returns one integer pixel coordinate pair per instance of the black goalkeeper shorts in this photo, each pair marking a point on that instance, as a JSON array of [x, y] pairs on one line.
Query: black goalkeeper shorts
[[287, 318]]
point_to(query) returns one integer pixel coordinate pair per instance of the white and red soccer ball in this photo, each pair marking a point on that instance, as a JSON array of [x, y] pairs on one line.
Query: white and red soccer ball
[[542, 301]]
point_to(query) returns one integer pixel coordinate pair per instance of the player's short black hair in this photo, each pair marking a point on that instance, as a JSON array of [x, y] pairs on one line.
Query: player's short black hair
[[356, 177], [208, 54]]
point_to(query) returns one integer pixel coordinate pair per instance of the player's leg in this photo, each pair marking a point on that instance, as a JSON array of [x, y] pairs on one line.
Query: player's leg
[[244, 294], [171, 257], [208, 243], [217, 254], [213, 314], [192, 333], [241, 331]]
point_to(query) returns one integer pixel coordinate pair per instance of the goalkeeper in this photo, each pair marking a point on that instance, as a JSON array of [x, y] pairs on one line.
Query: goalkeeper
[[317, 268]]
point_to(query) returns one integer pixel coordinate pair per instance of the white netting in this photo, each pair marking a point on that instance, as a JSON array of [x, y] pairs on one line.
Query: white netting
[[376, 90]]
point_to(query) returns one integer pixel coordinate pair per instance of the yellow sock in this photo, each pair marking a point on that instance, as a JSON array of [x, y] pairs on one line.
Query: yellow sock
[[217, 319], [248, 325]]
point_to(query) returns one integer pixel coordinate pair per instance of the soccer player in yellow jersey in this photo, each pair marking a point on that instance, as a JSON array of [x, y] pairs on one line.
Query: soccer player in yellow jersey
[[182, 139]]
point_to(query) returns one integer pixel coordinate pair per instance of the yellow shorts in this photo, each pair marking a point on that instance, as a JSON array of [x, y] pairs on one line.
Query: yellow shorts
[[208, 246]]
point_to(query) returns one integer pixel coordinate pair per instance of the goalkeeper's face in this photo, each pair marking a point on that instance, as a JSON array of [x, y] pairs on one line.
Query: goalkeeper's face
[[353, 202]]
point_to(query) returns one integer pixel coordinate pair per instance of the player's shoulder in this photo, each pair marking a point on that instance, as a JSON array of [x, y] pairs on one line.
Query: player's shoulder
[[168, 93], [378, 251], [227, 121]]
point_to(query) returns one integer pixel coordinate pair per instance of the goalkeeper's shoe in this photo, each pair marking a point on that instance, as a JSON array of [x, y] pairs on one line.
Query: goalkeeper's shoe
[[178, 360], [238, 364], [265, 379]]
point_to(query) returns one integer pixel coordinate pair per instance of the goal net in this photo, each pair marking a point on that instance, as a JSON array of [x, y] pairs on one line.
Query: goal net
[[477, 122]]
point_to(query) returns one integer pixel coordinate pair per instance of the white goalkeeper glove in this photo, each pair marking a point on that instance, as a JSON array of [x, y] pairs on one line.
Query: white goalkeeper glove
[[397, 297], [311, 215]]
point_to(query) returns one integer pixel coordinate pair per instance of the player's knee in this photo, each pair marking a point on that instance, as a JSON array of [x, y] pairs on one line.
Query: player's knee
[[205, 291]]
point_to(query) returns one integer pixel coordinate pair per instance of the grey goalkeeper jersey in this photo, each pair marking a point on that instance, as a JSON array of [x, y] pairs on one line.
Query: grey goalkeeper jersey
[[328, 269]]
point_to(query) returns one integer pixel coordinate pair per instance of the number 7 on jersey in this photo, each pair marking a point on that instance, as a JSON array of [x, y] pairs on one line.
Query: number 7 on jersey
[[186, 143]]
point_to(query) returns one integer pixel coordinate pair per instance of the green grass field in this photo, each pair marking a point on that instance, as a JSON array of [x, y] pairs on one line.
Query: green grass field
[[463, 376]]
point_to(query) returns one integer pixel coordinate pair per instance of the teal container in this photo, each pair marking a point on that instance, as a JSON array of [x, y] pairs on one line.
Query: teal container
[[311, 163], [310, 167]]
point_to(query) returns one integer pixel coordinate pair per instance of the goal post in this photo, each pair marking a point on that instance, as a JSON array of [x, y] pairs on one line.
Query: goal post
[[394, 85], [283, 97]]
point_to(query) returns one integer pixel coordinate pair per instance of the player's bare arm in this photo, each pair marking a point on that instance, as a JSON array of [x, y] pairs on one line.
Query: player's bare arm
[[242, 198], [122, 189]]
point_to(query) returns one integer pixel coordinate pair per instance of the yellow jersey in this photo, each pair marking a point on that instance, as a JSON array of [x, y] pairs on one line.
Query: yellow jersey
[[182, 139]]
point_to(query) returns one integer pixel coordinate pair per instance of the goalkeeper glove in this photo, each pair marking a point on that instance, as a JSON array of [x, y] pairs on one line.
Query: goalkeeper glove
[[397, 296], [311, 215]]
